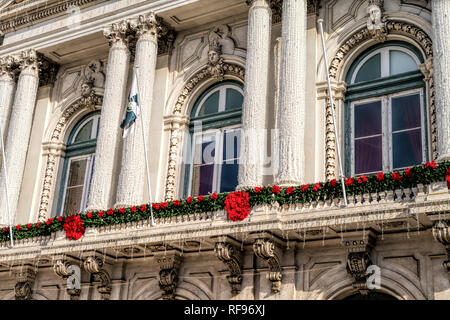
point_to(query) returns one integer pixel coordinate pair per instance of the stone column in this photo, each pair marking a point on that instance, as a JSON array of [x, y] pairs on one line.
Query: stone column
[[291, 111], [7, 86], [441, 49], [19, 131], [101, 193], [132, 180], [255, 95]]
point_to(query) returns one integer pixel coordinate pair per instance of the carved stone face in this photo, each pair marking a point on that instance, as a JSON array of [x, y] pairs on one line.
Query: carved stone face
[[374, 14], [85, 89], [213, 56]]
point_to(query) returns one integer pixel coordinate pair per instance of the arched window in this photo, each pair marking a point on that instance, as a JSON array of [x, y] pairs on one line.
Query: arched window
[[385, 110], [212, 157], [78, 164]]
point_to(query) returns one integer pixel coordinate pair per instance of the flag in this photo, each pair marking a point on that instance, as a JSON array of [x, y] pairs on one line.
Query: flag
[[132, 111]]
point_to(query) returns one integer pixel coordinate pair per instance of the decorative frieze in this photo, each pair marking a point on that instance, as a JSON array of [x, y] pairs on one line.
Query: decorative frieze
[[25, 277], [441, 233], [169, 263], [94, 265], [232, 258], [265, 249]]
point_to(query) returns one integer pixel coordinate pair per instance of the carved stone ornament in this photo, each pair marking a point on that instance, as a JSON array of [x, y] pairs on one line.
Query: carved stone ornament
[[265, 249], [62, 270], [168, 275], [118, 32], [25, 277], [94, 74], [232, 258], [376, 22], [441, 233], [94, 265], [8, 68], [47, 71]]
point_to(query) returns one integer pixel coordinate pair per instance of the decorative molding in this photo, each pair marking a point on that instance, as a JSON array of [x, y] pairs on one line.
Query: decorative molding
[[25, 277], [62, 270], [91, 102], [232, 258], [441, 233], [358, 260], [94, 265], [169, 263], [364, 35], [265, 249], [176, 133]]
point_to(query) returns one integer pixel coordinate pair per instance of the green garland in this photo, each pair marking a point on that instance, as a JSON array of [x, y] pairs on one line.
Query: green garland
[[430, 172]]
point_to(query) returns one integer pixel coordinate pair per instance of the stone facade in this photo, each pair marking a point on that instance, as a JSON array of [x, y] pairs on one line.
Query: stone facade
[[59, 65]]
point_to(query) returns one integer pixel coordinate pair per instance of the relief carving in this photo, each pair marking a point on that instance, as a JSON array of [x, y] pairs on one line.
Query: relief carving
[[25, 277], [441, 233], [232, 258], [94, 265], [169, 264], [376, 21], [265, 249]]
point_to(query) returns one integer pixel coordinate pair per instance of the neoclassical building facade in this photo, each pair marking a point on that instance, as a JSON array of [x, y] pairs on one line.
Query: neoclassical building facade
[[233, 95]]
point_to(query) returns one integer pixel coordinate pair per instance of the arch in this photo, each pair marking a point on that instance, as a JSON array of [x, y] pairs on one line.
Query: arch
[[351, 47], [54, 148], [178, 118]]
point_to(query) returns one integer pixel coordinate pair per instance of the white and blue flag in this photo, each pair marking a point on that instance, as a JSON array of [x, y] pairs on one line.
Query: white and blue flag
[[132, 112]]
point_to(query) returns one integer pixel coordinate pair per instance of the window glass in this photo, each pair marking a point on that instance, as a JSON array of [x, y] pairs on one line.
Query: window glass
[[211, 105], [406, 112], [230, 167], [367, 119], [368, 155], [407, 148], [75, 184], [84, 133], [234, 99], [401, 62], [204, 163], [371, 69]]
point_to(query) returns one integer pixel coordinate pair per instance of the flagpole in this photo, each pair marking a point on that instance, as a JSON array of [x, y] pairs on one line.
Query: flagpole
[[6, 188], [141, 111], [330, 92]]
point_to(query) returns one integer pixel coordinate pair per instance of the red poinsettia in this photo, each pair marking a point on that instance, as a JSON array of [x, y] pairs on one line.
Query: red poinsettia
[[89, 215], [29, 226], [122, 210], [396, 176], [431, 164], [189, 199], [305, 187], [143, 208], [163, 205], [333, 183], [199, 198], [38, 225], [317, 186], [290, 190], [237, 205], [276, 189], [110, 212], [362, 179], [155, 206], [74, 227], [380, 176], [214, 196], [447, 177], [101, 214], [176, 203], [257, 189], [349, 181]]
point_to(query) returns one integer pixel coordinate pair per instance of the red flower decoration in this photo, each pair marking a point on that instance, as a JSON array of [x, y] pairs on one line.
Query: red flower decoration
[[214, 196], [362, 179], [122, 210], [317, 186], [110, 212], [155, 206], [176, 203], [74, 227], [447, 177], [18, 227], [349, 181], [133, 209], [29, 225], [276, 189], [101, 214], [49, 221], [333, 183], [290, 190], [237, 205], [38, 225], [163, 205], [408, 172], [396, 176], [60, 218], [143, 208], [380, 176], [199, 198], [257, 189], [89, 215], [189, 199], [6, 229], [431, 164], [305, 187]]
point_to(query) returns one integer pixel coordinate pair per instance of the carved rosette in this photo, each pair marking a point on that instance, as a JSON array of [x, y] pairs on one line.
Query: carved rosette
[[358, 260], [358, 38], [265, 249], [94, 265], [60, 268], [232, 258], [24, 283], [441, 233], [168, 274]]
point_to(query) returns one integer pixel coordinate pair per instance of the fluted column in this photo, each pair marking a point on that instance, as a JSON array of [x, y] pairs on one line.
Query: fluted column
[[132, 181], [19, 131], [291, 111], [7, 86], [255, 96], [101, 192], [441, 50]]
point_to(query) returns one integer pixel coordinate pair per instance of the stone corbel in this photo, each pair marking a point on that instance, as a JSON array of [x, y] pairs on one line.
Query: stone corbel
[[358, 260], [232, 258], [64, 269], [441, 233], [267, 250], [25, 277], [169, 264], [94, 265]]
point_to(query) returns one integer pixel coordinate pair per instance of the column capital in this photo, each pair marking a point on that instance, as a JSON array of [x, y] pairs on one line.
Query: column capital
[[146, 24], [28, 60], [8, 68], [117, 32]]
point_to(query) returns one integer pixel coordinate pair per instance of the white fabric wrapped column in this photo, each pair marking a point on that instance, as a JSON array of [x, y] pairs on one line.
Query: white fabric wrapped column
[[132, 182], [441, 50], [7, 86], [255, 95], [101, 193], [291, 110], [19, 132]]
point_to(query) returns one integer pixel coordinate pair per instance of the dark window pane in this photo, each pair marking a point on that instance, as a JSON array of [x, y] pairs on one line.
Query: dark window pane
[[85, 133], [401, 62], [406, 112], [202, 179], [371, 70], [77, 172], [231, 144], [229, 178], [211, 105], [234, 99], [367, 119], [368, 155], [205, 149], [72, 202], [407, 148]]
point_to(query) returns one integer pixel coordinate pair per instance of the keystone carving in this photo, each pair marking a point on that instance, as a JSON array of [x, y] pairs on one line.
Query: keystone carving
[[25, 277], [232, 258], [265, 249], [441, 233], [94, 265], [169, 264], [376, 23], [358, 260], [63, 269]]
